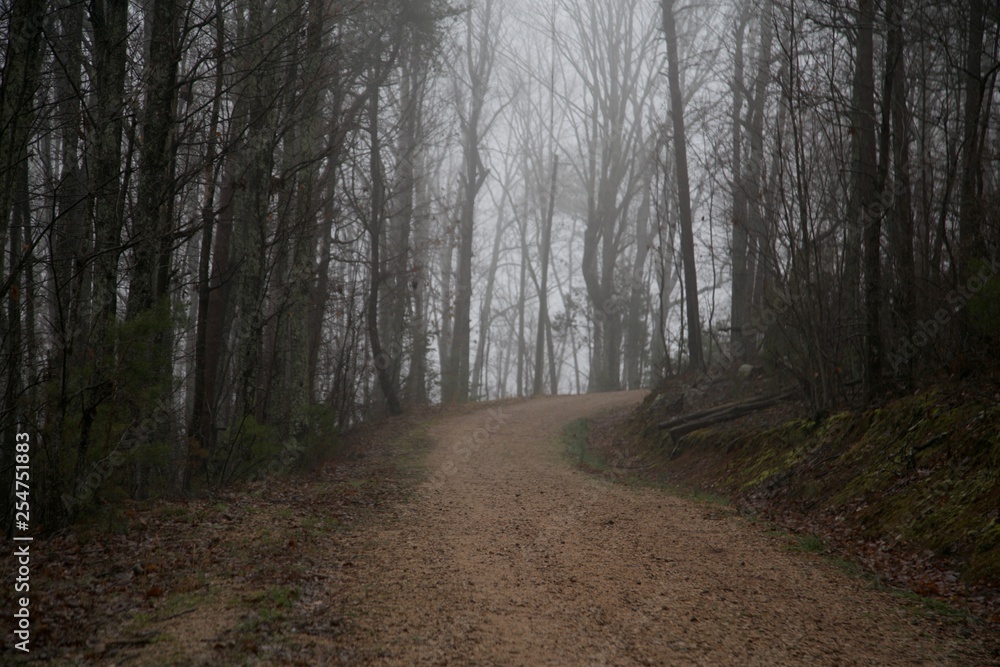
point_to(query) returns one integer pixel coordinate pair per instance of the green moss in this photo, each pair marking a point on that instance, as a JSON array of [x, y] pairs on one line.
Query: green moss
[[277, 597], [837, 426], [924, 468], [768, 455], [808, 544]]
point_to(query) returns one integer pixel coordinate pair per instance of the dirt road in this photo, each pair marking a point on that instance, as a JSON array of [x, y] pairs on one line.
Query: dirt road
[[510, 556]]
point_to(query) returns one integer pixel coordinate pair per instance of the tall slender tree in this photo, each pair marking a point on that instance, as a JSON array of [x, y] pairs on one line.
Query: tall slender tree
[[695, 352], [482, 28]]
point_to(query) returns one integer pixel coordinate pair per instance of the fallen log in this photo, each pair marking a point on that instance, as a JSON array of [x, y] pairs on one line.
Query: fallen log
[[681, 426]]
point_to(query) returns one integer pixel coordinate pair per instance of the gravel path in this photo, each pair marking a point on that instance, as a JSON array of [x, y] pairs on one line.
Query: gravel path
[[510, 556]]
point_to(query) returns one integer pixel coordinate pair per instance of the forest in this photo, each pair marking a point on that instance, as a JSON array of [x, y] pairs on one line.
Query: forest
[[231, 229]]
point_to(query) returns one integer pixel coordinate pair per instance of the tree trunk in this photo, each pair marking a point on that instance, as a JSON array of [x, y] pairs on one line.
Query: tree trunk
[[753, 173], [741, 291], [415, 386], [308, 137], [479, 60], [70, 225], [376, 220], [971, 245], [250, 212], [109, 20], [200, 431], [613, 302], [446, 262], [486, 308], [18, 86], [155, 196], [638, 292], [683, 189], [902, 210], [401, 221], [543, 289], [681, 426], [865, 190], [666, 232], [522, 295], [149, 287]]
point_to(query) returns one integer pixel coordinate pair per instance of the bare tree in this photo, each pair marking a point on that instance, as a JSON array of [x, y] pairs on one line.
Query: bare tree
[[544, 324], [970, 225], [683, 188], [865, 191], [376, 221], [482, 34], [612, 52]]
